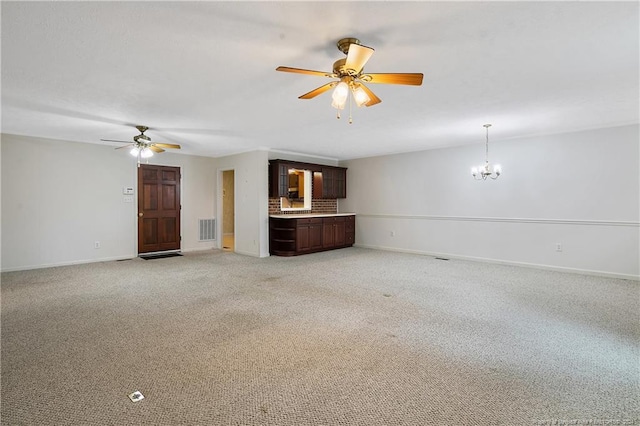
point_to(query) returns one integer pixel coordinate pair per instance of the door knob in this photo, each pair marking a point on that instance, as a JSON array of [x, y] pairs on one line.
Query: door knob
[[140, 214]]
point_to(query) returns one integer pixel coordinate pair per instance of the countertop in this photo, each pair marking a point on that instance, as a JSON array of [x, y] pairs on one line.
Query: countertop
[[302, 216]]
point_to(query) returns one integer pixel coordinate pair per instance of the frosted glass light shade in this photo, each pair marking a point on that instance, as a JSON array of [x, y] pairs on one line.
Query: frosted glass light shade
[[146, 153], [360, 96]]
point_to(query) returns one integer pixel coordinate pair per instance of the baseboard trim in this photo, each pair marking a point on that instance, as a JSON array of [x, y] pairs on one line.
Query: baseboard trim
[[194, 249], [71, 263], [507, 262], [505, 220], [246, 253]]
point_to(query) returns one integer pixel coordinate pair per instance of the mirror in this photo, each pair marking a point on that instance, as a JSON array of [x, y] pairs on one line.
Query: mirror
[[299, 197]]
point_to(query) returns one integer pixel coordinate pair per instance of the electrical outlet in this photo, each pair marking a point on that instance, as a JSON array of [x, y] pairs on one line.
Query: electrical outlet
[[558, 246], [96, 244]]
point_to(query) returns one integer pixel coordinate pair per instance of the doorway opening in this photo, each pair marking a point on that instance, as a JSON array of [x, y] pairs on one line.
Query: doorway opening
[[228, 210]]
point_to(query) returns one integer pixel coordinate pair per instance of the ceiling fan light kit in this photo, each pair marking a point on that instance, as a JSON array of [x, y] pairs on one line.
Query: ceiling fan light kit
[[142, 147], [350, 72], [487, 170]]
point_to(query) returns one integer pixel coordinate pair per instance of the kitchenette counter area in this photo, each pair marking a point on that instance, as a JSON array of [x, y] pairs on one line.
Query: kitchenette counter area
[[302, 216], [295, 234]]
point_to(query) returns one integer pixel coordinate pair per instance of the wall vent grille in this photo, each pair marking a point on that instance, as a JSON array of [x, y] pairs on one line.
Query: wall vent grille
[[207, 230]]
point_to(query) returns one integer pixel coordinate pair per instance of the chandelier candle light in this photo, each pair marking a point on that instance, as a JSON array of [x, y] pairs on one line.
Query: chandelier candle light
[[485, 171]]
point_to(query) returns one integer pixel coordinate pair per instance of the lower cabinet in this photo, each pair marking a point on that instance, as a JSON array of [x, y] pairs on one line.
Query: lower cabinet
[[333, 232], [291, 237], [349, 230], [308, 234]]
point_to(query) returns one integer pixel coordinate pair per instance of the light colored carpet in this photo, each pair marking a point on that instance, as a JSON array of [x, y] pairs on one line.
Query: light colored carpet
[[348, 337]]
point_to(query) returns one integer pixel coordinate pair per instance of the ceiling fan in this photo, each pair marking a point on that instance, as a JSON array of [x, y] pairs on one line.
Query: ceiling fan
[[351, 77], [142, 147]]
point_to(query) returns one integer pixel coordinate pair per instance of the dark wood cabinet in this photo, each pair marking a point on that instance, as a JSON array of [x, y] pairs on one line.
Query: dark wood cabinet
[[308, 234], [294, 236], [279, 179], [282, 237], [334, 182], [349, 230], [328, 181], [333, 231]]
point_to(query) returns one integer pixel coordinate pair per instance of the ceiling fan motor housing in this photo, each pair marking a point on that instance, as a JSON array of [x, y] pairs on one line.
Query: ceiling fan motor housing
[[340, 69], [344, 43]]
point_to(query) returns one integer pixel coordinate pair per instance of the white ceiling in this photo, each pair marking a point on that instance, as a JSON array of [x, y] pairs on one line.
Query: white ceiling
[[202, 74]]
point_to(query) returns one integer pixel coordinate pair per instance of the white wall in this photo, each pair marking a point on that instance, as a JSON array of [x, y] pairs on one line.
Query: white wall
[[59, 197], [251, 201], [303, 158], [579, 189]]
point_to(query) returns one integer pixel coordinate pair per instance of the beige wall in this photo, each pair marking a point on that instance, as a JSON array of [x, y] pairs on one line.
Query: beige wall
[[580, 190], [59, 198]]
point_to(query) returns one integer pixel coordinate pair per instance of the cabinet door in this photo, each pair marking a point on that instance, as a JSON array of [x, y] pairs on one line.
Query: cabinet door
[[302, 238], [334, 182], [340, 183], [278, 179], [328, 238], [328, 186], [339, 232], [315, 236], [283, 180]]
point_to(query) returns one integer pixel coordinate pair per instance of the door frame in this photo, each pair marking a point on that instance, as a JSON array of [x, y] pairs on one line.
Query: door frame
[[137, 207], [220, 211]]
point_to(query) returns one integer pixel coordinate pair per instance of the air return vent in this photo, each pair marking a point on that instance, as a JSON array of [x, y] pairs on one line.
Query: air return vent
[[207, 230]]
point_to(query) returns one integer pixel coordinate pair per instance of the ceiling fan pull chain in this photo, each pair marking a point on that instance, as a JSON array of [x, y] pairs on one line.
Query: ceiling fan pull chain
[[350, 118]]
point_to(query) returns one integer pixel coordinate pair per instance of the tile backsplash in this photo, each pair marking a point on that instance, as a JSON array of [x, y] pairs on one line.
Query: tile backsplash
[[320, 205]]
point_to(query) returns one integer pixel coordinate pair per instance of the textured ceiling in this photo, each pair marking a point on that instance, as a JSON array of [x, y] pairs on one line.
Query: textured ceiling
[[202, 74]]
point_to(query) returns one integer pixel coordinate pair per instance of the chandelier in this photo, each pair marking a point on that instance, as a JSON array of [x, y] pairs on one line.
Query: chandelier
[[486, 170]]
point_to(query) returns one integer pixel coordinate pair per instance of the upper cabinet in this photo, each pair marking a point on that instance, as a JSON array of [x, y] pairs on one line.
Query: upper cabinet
[[328, 181], [334, 182]]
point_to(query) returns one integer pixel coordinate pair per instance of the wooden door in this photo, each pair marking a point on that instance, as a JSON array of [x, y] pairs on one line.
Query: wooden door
[[158, 208]]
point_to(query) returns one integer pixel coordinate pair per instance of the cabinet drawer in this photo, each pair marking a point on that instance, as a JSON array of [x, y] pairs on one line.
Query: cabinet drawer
[[349, 238], [335, 219], [309, 220]]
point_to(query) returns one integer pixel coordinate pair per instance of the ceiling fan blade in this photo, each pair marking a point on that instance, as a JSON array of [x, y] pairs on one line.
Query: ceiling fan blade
[[155, 148], [373, 98], [358, 56], [166, 145], [412, 79], [124, 146], [303, 71], [111, 140], [318, 91]]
